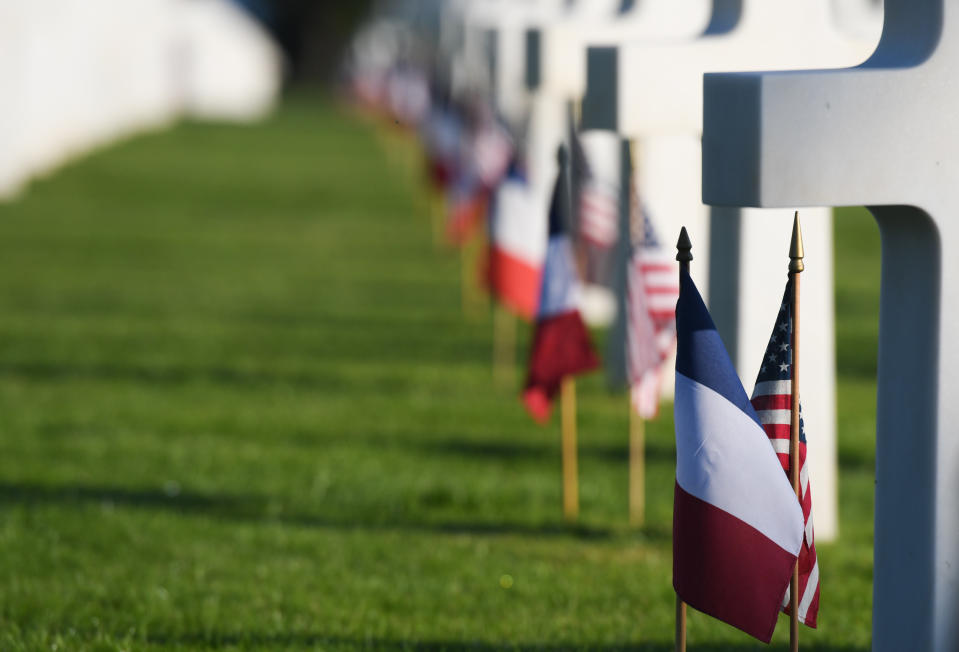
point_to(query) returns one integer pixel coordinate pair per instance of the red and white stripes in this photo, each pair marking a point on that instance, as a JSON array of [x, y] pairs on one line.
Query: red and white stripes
[[599, 213], [773, 403], [652, 289]]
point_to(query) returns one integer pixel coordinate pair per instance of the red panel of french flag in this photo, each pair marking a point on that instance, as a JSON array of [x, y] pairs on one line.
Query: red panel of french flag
[[737, 524]]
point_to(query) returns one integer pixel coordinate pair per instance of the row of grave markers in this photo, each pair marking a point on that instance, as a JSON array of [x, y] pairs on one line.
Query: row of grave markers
[[625, 86], [879, 134]]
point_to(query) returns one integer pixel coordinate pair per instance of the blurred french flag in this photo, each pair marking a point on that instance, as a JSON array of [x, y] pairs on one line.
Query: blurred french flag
[[561, 344]]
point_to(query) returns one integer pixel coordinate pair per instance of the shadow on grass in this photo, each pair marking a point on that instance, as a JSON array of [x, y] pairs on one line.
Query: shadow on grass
[[256, 508], [258, 640], [617, 453], [313, 379], [519, 450]]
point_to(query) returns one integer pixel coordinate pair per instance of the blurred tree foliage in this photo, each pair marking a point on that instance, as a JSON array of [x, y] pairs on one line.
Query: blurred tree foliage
[[313, 33]]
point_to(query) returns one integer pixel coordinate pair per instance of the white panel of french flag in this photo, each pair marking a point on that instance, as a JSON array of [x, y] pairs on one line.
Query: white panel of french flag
[[737, 524], [518, 242]]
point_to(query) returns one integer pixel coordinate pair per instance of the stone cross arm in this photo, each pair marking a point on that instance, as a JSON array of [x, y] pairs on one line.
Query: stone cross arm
[[861, 136], [661, 83], [564, 42]]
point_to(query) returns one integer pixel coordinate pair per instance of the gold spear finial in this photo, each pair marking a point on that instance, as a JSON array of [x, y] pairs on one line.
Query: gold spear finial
[[796, 253], [684, 248]]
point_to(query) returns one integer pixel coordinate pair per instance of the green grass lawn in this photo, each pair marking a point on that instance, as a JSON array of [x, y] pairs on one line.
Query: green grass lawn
[[241, 410]]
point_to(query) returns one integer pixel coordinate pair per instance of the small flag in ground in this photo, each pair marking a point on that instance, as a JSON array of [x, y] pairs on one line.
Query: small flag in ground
[[772, 399], [651, 293], [485, 155], [518, 242], [408, 94], [468, 200], [737, 526], [441, 134], [492, 151], [561, 344], [599, 204]]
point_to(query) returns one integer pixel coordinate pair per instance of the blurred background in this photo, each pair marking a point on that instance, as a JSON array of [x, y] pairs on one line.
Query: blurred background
[[313, 35], [121, 67]]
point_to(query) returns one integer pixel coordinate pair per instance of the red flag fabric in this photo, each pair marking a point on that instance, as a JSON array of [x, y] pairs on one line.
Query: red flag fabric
[[561, 347]]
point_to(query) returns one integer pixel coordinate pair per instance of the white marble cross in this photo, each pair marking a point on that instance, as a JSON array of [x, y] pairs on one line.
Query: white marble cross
[[564, 41], [561, 65], [493, 58], [660, 106], [884, 135]]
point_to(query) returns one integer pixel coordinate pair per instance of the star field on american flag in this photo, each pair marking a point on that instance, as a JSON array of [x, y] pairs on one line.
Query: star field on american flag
[[772, 399], [650, 240]]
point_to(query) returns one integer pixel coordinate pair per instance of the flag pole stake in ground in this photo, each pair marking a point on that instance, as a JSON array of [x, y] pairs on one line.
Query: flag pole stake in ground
[[438, 210], [637, 470], [568, 387], [570, 463], [796, 267], [475, 301], [680, 625], [504, 347], [684, 254], [637, 426]]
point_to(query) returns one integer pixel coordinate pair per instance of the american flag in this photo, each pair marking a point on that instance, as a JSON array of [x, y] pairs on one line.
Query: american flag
[[596, 184], [492, 151], [652, 288], [772, 398], [599, 212]]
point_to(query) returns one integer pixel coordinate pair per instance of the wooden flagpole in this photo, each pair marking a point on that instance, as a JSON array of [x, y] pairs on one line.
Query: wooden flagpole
[[796, 267], [637, 425], [637, 467], [568, 384], [504, 347], [467, 302], [438, 211], [475, 301], [570, 462], [680, 625], [684, 254]]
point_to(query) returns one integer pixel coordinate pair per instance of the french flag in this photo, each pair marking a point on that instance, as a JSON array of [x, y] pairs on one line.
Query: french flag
[[518, 228], [561, 344], [737, 524]]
